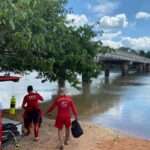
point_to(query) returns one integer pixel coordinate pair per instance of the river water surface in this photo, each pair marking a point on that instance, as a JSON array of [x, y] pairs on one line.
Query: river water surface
[[122, 104]]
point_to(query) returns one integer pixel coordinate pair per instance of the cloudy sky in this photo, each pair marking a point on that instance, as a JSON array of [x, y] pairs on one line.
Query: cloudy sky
[[124, 22]]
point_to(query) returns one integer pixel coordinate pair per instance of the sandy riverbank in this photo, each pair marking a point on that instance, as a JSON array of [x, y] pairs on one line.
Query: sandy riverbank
[[94, 138]]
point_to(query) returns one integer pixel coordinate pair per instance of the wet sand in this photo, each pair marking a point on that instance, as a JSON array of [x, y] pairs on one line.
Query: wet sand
[[94, 138]]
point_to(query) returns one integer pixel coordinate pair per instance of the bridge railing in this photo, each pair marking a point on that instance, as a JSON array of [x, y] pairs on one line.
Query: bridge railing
[[122, 56]]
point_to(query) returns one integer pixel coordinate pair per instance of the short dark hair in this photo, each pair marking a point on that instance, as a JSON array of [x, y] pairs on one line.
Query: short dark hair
[[30, 88]]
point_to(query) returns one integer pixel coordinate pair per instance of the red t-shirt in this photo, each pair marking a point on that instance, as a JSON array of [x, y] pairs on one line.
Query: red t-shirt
[[31, 101], [64, 106]]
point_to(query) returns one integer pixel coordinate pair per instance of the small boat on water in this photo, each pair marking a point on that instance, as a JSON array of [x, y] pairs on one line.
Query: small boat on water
[[9, 78]]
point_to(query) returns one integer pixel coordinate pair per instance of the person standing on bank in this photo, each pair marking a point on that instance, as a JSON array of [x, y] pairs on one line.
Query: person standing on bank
[[65, 106], [32, 113]]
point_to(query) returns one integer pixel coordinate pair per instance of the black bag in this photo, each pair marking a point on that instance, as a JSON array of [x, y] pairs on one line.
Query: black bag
[[76, 129], [11, 127], [9, 131]]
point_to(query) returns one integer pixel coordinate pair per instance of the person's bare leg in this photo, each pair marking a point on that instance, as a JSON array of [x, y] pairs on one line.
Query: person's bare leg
[[60, 138], [28, 129], [36, 131], [67, 135]]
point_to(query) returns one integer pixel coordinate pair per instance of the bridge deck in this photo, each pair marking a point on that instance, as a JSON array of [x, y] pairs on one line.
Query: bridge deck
[[122, 56]]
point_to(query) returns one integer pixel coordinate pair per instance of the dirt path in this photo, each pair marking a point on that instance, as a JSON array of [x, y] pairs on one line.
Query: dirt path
[[94, 138]]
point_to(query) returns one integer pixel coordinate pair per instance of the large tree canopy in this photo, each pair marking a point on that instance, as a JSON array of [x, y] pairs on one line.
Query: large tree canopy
[[27, 29], [34, 36], [75, 55]]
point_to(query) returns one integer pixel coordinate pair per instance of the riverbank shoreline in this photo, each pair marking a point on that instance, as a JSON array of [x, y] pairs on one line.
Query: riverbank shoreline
[[94, 138]]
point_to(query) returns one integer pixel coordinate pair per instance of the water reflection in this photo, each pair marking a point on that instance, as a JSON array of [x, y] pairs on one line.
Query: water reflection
[[130, 108]]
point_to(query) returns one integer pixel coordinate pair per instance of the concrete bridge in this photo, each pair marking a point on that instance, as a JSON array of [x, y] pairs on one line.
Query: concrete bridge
[[124, 60]]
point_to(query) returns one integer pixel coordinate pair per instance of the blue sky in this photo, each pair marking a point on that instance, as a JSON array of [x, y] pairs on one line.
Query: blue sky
[[124, 22]]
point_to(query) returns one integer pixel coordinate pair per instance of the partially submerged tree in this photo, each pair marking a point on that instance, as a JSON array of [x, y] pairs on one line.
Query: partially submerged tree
[[88, 50], [34, 36], [75, 55]]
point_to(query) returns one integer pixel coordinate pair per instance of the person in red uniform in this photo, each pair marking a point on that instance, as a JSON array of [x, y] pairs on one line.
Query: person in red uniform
[[32, 112], [65, 106]]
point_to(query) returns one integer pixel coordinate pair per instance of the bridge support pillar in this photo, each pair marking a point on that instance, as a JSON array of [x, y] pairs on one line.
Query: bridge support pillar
[[147, 68], [107, 71], [124, 68], [140, 68]]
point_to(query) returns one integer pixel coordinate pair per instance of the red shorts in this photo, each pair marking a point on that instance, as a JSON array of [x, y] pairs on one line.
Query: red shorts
[[61, 121]]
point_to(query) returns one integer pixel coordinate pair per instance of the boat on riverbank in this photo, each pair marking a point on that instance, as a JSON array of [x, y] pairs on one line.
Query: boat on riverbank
[[9, 78]]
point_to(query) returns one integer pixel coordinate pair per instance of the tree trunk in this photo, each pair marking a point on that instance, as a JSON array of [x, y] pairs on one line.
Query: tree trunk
[[85, 85], [61, 83]]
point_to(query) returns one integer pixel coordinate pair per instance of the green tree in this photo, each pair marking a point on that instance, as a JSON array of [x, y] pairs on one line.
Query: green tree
[[64, 55], [26, 31], [74, 53], [142, 53], [87, 51], [34, 36], [148, 54]]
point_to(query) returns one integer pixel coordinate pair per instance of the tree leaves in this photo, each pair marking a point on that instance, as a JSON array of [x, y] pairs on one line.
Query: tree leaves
[[36, 37]]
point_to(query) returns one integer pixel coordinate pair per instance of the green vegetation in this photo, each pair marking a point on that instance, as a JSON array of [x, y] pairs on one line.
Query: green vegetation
[[34, 36], [144, 54], [27, 31]]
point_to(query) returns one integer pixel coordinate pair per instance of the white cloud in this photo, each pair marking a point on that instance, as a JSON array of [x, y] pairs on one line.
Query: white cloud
[[142, 15], [110, 35], [107, 36], [104, 7], [112, 44], [118, 21], [76, 20], [141, 43]]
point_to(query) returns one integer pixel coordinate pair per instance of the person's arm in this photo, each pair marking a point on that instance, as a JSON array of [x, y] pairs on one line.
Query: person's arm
[[40, 98], [74, 109], [51, 108], [24, 103]]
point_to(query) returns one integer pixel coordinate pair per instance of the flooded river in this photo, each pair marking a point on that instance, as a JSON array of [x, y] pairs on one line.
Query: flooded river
[[122, 104]]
